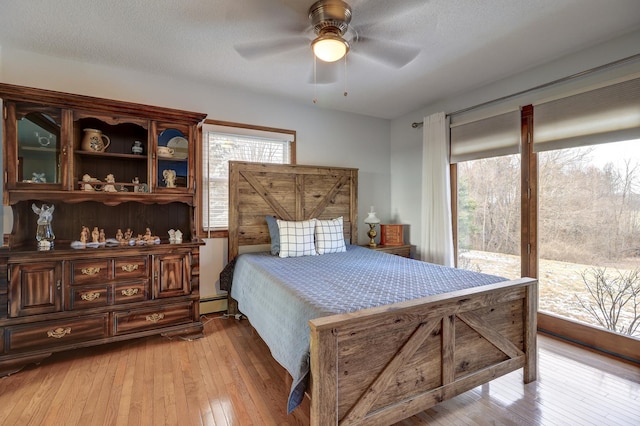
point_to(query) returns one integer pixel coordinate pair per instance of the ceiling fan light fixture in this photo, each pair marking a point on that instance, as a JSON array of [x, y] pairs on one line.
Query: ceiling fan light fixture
[[329, 47]]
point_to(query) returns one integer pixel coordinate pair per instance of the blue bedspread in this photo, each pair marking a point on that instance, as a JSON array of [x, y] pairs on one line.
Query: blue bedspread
[[280, 296]]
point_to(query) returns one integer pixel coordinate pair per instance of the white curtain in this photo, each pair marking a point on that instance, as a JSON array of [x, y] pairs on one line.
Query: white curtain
[[437, 235]]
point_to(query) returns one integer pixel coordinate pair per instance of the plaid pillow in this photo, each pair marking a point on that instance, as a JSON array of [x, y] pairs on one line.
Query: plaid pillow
[[297, 238], [330, 236]]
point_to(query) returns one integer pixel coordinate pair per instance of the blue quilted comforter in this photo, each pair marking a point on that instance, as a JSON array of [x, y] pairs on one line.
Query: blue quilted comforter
[[280, 296]]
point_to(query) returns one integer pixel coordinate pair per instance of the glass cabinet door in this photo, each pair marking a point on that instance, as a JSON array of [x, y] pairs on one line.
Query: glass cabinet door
[[38, 145], [172, 154]]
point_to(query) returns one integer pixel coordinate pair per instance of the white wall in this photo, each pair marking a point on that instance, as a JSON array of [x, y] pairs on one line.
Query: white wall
[[323, 137], [406, 142]]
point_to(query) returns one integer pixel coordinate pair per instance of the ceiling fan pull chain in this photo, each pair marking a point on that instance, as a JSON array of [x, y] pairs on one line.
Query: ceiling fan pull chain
[[315, 84], [345, 76]]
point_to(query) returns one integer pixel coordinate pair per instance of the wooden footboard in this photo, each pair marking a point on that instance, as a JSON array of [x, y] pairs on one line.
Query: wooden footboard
[[381, 365]]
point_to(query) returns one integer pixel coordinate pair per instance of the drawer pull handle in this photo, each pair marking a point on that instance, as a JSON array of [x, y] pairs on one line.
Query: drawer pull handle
[[90, 296], [129, 268], [90, 271], [59, 332], [155, 317], [129, 292]]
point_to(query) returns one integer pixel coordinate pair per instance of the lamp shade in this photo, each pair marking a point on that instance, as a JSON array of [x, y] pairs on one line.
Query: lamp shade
[[371, 217], [329, 47]]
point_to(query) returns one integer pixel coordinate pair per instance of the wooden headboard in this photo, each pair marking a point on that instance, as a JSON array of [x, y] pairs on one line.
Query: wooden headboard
[[289, 192]]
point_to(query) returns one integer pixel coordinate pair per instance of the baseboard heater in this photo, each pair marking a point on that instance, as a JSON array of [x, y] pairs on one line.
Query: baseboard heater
[[212, 304]]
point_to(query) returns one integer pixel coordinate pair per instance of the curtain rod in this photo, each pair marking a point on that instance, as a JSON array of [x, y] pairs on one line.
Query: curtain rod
[[631, 58]]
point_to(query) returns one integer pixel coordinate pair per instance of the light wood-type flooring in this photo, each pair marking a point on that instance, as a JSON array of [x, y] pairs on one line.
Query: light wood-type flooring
[[229, 378]]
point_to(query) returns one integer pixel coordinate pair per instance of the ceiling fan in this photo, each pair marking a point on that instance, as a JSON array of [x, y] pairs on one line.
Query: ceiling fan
[[331, 35]]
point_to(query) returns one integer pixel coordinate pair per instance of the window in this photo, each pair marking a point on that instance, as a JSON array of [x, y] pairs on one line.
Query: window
[[589, 230], [485, 152], [578, 218], [589, 189], [235, 142], [489, 216]]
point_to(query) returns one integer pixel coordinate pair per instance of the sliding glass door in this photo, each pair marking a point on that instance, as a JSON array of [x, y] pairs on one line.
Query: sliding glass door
[[489, 215], [589, 235]]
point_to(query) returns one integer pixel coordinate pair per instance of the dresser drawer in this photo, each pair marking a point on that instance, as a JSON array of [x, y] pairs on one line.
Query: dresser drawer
[[82, 297], [56, 333], [150, 318], [86, 271], [136, 291], [131, 267], [403, 250]]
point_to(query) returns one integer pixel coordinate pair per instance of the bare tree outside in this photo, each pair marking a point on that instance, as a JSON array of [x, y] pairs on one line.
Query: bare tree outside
[[610, 295], [588, 220], [489, 204]]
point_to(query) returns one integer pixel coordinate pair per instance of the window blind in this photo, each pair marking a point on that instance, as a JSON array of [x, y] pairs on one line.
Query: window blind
[[607, 114], [494, 136], [223, 144]]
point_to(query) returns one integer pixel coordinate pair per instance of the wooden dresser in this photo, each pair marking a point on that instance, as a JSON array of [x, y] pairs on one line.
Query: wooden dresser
[[64, 298], [403, 250]]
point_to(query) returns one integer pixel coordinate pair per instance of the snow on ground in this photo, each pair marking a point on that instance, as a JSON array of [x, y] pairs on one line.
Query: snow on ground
[[560, 283]]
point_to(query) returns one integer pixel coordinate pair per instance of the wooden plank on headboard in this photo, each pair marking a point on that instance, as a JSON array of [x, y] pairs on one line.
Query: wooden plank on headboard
[[289, 192]]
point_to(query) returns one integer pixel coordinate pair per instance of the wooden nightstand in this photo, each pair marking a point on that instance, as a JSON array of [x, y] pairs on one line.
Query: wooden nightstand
[[403, 250]]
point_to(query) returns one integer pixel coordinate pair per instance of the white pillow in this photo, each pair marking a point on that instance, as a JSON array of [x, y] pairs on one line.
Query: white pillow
[[330, 236], [297, 238]]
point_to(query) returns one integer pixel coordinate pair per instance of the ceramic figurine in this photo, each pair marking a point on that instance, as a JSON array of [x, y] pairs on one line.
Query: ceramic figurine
[[169, 178], [172, 236], [84, 235], [178, 236], [88, 183], [137, 186], [95, 235], [109, 186]]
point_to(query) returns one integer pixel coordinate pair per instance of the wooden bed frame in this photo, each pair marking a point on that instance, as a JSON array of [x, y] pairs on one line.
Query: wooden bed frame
[[381, 365]]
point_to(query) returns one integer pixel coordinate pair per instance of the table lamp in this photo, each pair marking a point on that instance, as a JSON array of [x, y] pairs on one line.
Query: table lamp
[[372, 220]]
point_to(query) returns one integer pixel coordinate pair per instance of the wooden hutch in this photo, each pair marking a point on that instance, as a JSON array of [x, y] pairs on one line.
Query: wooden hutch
[[65, 298]]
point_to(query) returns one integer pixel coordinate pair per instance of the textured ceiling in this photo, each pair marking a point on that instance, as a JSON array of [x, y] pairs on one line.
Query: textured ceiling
[[460, 44]]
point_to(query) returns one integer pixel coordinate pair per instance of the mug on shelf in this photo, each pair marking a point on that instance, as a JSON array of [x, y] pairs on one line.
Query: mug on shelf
[[165, 151]]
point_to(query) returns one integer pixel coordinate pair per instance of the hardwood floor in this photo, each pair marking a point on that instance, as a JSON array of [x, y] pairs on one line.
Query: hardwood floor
[[229, 378]]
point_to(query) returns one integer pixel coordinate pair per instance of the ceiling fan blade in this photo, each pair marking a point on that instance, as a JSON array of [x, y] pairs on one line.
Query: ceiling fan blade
[[326, 73], [386, 52], [260, 49]]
